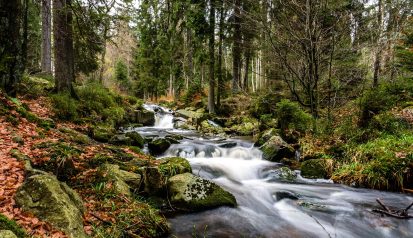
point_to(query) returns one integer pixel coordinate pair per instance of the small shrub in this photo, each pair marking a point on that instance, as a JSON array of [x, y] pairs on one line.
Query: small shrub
[[291, 116], [95, 98], [383, 98], [64, 106], [265, 104]]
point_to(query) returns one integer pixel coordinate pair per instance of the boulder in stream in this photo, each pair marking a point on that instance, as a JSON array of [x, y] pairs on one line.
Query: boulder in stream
[[265, 136], [142, 116], [192, 193], [54, 202], [155, 177], [276, 149], [158, 146]]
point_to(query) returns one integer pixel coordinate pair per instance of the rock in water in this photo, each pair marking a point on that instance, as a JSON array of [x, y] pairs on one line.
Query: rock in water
[[158, 146], [276, 149], [54, 202], [137, 139], [155, 178], [144, 117], [192, 193]]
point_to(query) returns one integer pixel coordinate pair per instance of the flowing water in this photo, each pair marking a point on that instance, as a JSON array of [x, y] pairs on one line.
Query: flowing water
[[323, 209]]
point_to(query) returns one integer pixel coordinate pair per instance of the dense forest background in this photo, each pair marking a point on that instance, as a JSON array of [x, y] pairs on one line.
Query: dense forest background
[[330, 82], [319, 68]]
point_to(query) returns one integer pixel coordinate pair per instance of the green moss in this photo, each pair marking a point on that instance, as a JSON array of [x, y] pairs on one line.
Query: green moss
[[75, 136], [64, 106], [384, 163], [317, 168], [7, 224], [172, 166], [189, 192], [102, 133]]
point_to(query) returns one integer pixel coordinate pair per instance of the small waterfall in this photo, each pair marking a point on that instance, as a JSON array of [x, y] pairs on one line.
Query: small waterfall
[[163, 116]]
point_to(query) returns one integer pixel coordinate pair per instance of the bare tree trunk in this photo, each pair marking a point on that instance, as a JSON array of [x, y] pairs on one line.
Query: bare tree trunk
[[103, 56], [236, 61], [246, 69], [63, 42], [46, 37], [221, 40], [379, 50], [211, 93]]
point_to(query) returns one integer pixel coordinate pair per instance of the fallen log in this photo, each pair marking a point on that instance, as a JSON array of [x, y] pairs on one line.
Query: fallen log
[[400, 214]]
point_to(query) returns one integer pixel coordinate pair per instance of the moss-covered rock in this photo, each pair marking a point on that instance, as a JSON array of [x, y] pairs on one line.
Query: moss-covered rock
[[136, 139], [276, 149], [123, 181], [317, 168], [158, 146], [120, 139], [209, 128], [10, 228], [102, 133], [191, 193], [286, 174], [265, 136], [75, 136], [154, 181], [156, 177], [54, 202], [7, 234], [172, 166], [141, 116]]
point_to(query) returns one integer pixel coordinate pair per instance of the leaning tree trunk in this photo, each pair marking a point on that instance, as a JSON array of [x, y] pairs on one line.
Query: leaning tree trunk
[[63, 44], [11, 65], [46, 37]]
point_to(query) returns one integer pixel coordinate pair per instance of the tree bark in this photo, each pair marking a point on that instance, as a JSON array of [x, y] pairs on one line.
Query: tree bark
[[221, 40], [211, 93], [46, 37], [63, 42], [11, 65], [379, 50], [236, 60]]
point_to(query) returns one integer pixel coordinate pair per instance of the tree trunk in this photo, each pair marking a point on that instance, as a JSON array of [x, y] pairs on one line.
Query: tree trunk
[[236, 61], [246, 69], [221, 40], [63, 44], [379, 50], [25, 33], [46, 37], [11, 65], [211, 93]]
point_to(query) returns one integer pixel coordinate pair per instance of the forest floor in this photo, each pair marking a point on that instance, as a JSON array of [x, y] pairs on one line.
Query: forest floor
[[25, 134]]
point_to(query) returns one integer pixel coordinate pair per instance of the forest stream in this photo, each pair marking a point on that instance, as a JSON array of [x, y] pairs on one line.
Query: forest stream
[[267, 205]]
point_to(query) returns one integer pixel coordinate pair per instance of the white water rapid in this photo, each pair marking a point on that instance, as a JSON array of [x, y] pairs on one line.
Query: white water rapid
[[271, 207]]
